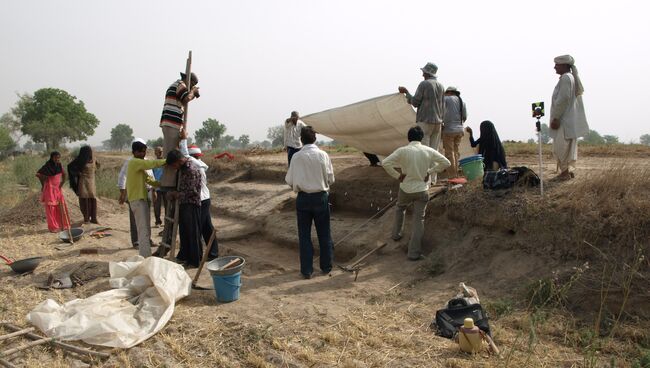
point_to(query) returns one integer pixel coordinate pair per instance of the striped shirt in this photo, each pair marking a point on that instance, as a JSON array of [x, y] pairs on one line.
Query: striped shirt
[[172, 115]]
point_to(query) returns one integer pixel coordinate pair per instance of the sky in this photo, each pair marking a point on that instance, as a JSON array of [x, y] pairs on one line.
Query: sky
[[259, 60]]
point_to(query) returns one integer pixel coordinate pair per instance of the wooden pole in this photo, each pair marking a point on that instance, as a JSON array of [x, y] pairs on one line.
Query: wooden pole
[[206, 252], [17, 333], [188, 81], [59, 344]]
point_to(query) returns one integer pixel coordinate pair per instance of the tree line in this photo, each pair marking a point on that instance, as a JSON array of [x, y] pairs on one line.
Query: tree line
[[51, 117], [593, 137]]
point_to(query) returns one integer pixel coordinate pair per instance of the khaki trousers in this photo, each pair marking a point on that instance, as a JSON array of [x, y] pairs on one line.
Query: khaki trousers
[[419, 201], [431, 138], [451, 142], [142, 217], [171, 140]]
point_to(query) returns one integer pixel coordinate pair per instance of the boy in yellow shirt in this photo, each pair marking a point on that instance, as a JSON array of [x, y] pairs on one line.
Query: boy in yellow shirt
[[136, 190]]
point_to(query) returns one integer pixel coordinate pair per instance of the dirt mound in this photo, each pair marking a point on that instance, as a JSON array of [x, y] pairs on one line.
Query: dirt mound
[[586, 240], [30, 211], [362, 189]]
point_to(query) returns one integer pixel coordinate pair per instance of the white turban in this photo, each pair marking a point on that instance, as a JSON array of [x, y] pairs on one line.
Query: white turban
[[569, 60]]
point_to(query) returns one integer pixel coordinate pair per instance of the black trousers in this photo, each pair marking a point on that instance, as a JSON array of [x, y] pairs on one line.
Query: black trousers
[[157, 207], [207, 228], [190, 234], [88, 207], [374, 160]]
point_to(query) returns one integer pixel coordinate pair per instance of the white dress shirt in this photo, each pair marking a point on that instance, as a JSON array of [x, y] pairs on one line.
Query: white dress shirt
[[310, 170], [292, 134], [416, 161]]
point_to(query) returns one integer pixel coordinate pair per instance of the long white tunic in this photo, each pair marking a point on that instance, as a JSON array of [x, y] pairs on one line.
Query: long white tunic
[[569, 109]]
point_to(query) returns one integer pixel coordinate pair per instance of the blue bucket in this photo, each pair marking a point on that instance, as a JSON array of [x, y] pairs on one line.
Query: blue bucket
[[227, 287], [470, 159]]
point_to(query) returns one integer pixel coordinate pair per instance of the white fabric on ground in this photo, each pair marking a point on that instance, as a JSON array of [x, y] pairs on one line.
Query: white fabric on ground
[[142, 302], [378, 125]]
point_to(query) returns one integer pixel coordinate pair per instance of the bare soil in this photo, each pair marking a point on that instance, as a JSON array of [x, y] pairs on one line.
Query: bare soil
[[281, 320]]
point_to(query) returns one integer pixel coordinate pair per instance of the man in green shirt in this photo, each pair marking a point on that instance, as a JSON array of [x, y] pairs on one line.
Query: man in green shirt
[[136, 190]]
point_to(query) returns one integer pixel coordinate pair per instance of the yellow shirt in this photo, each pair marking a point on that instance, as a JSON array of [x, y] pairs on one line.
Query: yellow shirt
[[137, 178]]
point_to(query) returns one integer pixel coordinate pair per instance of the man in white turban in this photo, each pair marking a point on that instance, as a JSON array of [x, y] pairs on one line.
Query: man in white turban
[[568, 120]]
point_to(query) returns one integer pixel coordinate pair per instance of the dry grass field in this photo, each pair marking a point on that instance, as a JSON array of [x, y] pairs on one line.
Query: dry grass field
[[564, 276]]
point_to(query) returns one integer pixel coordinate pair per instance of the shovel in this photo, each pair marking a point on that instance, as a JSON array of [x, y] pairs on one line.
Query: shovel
[[23, 265]]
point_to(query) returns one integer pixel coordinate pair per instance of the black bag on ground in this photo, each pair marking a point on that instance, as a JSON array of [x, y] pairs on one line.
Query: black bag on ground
[[450, 319], [501, 179], [526, 176]]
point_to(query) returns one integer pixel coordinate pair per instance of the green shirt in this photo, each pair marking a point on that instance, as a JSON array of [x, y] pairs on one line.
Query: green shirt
[[137, 178]]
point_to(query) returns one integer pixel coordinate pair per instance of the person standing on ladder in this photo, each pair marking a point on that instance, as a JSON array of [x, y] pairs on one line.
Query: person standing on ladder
[[178, 95]]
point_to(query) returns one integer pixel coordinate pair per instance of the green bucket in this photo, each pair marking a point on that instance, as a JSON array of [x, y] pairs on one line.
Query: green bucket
[[473, 169]]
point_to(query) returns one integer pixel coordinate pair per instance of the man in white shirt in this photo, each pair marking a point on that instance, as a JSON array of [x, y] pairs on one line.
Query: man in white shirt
[[292, 128], [417, 163], [568, 119], [310, 175]]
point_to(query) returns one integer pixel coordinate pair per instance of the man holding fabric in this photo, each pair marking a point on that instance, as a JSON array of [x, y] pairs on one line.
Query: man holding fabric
[[310, 175], [568, 119], [416, 162], [429, 100]]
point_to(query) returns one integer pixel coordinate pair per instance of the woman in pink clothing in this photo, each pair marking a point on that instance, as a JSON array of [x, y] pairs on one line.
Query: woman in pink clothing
[[52, 178]]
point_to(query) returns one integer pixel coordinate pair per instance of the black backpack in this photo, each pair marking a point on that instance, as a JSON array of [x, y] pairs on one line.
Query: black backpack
[[450, 319], [526, 176], [501, 179]]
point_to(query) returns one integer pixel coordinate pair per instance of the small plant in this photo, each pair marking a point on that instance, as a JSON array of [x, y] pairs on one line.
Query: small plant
[[500, 307], [434, 265], [643, 361], [106, 184], [25, 168]]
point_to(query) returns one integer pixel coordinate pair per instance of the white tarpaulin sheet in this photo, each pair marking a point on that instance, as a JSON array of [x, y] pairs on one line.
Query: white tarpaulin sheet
[[378, 125], [141, 303]]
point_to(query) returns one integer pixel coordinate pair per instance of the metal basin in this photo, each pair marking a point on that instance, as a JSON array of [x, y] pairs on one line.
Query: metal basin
[[77, 233], [25, 265]]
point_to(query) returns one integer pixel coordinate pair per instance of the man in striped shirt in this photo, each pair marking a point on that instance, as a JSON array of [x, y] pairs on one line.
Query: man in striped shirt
[[171, 121]]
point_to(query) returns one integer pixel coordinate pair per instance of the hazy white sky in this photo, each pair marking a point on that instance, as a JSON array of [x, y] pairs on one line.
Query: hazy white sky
[[258, 60]]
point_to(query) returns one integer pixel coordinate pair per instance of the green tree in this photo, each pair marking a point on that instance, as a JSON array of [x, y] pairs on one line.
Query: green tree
[[153, 143], [226, 141], [12, 124], [244, 140], [31, 146], [610, 139], [593, 137], [210, 133], [645, 139], [276, 135], [7, 143], [52, 116], [121, 137]]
